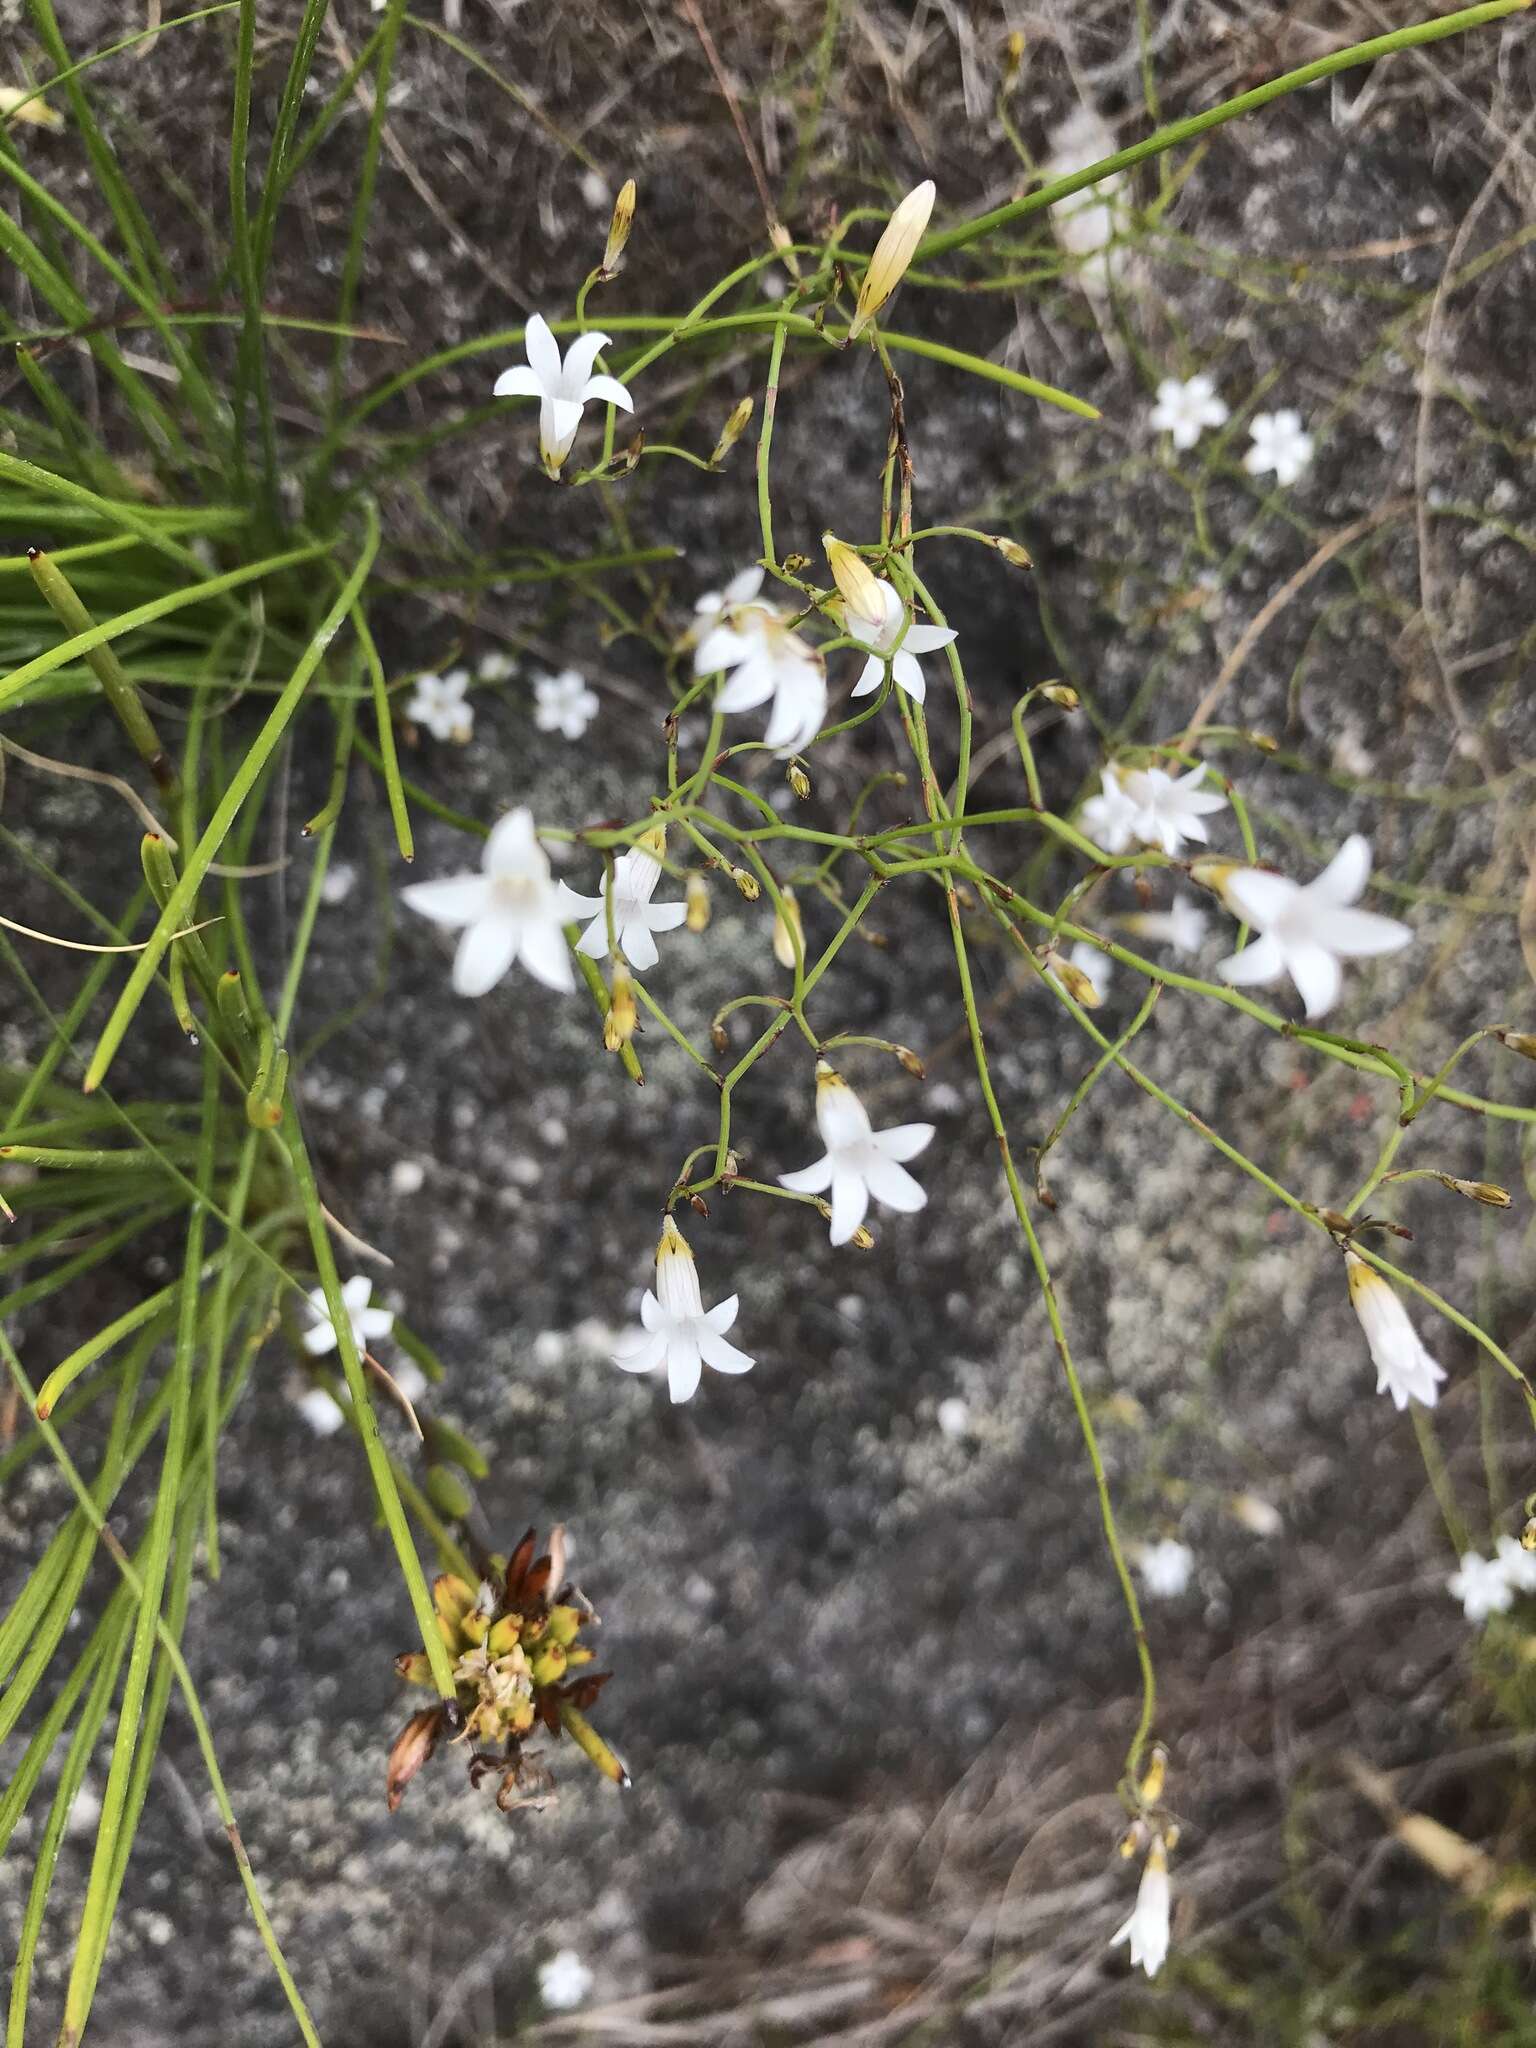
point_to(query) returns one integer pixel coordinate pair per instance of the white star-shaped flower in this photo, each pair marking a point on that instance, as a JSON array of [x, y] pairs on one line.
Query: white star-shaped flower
[[1166, 1568], [1481, 1587], [1280, 443], [635, 917], [496, 666], [1147, 1928], [1150, 806], [1517, 1564], [441, 704], [1184, 411], [859, 1162], [367, 1323], [1404, 1369], [563, 703], [564, 1981], [680, 1333], [880, 637], [765, 658], [1183, 927], [1306, 929], [512, 910], [562, 388]]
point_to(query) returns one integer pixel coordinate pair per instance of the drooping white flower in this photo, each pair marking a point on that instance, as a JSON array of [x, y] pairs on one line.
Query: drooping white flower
[[563, 703], [1166, 1568], [765, 658], [1306, 929], [1517, 1564], [1183, 927], [441, 704], [1152, 806], [1184, 411], [860, 1162], [635, 917], [512, 910], [953, 1415], [496, 666], [1097, 966], [564, 1981], [1087, 222], [367, 1323], [1404, 1369], [680, 1333], [893, 254], [880, 637], [1280, 443], [562, 388], [1147, 1928], [1481, 1587]]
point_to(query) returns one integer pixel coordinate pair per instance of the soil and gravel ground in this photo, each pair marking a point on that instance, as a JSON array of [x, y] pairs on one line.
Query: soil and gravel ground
[[825, 1613]]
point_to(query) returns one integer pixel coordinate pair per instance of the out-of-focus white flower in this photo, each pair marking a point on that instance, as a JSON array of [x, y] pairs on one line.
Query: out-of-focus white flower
[[680, 1333], [953, 1416], [512, 910], [1257, 1514], [1087, 222], [635, 917], [1306, 929], [367, 1323], [765, 658], [1184, 411], [323, 1415], [1152, 806], [1166, 1568], [1183, 927], [880, 637], [441, 704], [563, 703], [340, 881], [409, 1379], [562, 388], [741, 593], [497, 666], [1280, 443], [564, 1981], [1147, 1928], [1404, 1369], [893, 254], [1098, 967], [860, 1162], [1481, 1587], [1517, 1564]]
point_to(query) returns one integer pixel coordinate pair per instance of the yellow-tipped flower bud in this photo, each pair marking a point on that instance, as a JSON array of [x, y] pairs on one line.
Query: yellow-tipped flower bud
[[749, 885], [1072, 978], [1484, 1191], [619, 227], [619, 1024], [911, 1062], [1150, 1790], [1062, 694], [788, 931], [1014, 552], [1522, 1042], [863, 1239], [857, 583], [1528, 1535], [1214, 875], [735, 427], [893, 254], [798, 780], [719, 1037], [696, 896]]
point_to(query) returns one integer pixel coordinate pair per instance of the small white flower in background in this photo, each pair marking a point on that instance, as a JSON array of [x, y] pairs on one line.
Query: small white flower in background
[[1147, 1928], [680, 1333], [635, 917], [1152, 806], [860, 1162], [562, 388], [1404, 1369], [1257, 1514], [564, 1981], [953, 1416], [1517, 1564], [763, 658], [893, 254], [1166, 1568], [1184, 411], [512, 910], [1306, 929], [323, 1415], [441, 704], [1087, 222], [409, 1379], [367, 1323], [1096, 966], [1481, 1587], [879, 636], [340, 881], [563, 703], [496, 667], [1183, 927], [1280, 443]]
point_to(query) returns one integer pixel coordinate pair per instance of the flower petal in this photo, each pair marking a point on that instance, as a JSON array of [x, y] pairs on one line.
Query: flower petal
[[809, 1180], [1345, 877], [871, 676], [543, 352], [904, 1141], [608, 391], [927, 639], [319, 1338], [1263, 961], [893, 1185], [523, 381], [513, 847], [1358, 934], [723, 1314], [639, 947], [664, 917], [486, 951], [722, 1356], [684, 1366], [579, 358], [455, 900], [640, 1350], [850, 1203], [1257, 898], [909, 675], [1317, 975], [546, 955]]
